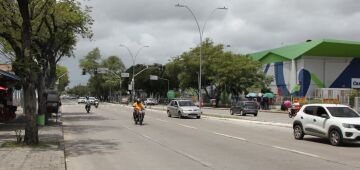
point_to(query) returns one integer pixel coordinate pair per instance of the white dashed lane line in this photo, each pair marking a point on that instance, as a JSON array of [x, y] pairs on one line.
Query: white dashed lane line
[[229, 136], [187, 126], [296, 151], [161, 120]]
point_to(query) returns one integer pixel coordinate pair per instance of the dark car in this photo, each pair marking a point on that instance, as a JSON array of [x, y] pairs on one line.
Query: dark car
[[244, 107]]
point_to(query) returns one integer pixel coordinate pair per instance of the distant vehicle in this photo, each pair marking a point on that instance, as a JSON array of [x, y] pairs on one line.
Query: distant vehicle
[[244, 107], [183, 108], [81, 100], [96, 103], [338, 123], [92, 100], [150, 101]]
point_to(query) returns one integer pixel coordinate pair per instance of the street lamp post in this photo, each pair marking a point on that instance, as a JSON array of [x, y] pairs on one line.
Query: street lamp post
[[201, 33], [133, 57], [58, 79]]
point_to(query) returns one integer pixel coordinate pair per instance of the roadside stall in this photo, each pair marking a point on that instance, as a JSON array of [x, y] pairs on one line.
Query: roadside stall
[[8, 103]]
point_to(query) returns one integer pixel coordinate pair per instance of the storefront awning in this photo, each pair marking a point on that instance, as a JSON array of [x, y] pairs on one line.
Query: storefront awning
[[8, 75]]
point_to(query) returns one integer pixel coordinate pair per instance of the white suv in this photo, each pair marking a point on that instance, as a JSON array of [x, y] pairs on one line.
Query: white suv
[[339, 123]]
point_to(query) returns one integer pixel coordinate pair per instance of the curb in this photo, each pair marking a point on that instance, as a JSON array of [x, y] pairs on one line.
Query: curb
[[276, 111], [278, 124], [62, 142]]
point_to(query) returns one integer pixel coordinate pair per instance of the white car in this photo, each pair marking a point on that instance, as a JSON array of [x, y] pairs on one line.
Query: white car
[[81, 100], [92, 100], [150, 101], [338, 123], [183, 108]]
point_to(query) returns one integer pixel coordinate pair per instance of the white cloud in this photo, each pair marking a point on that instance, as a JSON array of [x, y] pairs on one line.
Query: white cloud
[[248, 26]]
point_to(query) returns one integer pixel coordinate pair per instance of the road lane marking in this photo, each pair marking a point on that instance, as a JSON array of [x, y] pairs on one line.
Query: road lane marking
[[187, 126], [186, 155], [229, 136], [296, 151], [161, 120]]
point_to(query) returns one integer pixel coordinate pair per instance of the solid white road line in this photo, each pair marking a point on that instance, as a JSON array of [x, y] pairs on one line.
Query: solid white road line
[[296, 151]]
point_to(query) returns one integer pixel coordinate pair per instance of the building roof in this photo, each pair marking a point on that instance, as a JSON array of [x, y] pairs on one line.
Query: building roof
[[325, 47]]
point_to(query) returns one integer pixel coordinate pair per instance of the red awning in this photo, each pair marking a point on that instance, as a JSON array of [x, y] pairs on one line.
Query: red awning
[[3, 88]]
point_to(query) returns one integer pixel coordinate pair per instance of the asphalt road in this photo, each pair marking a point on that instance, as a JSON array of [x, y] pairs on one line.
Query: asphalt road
[[107, 138]]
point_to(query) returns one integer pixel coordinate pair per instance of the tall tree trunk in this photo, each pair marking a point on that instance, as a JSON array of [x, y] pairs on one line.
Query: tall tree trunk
[[31, 129], [52, 72], [41, 89]]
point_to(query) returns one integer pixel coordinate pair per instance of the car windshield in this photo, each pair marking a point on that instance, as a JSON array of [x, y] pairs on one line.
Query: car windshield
[[92, 98], [186, 103], [342, 112]]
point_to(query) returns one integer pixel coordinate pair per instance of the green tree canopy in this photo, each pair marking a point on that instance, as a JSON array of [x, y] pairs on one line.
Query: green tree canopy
[[225, 71], [102, 84], [79, 90]]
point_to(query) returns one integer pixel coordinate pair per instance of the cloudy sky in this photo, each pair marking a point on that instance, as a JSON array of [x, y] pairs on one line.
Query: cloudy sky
[[248, 26]]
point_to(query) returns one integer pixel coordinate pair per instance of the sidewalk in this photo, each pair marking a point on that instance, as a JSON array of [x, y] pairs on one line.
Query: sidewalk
[[48, 155]]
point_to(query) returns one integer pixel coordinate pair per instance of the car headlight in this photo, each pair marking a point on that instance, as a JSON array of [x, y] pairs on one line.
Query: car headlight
[[346, 125]]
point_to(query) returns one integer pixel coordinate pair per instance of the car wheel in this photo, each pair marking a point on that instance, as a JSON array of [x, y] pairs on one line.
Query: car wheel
[[168, 113], [335, 138], [298, 132], [180, 116], [242, 113], [231, 112], [198, 117], [255, 114]]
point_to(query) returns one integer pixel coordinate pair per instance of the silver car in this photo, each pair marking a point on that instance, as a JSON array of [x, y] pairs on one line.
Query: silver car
[[183, 108]]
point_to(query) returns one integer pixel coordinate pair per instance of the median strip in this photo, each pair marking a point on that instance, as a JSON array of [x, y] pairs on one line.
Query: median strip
[[233, 118]]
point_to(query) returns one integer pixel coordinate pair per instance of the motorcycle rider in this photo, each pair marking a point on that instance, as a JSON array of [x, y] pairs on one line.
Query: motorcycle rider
[[87, 103], [138, 107]]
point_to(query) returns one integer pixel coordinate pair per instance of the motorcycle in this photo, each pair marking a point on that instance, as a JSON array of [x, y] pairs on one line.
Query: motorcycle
[[96, 104], [292, 112], [87, 108], [139, 117]]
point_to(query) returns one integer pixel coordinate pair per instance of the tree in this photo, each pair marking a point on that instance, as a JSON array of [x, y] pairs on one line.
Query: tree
[[16, 33], [56, 26], [101, 84], [223, 71], [36, 32], [64, 80], [91, 62], [79, 90]]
